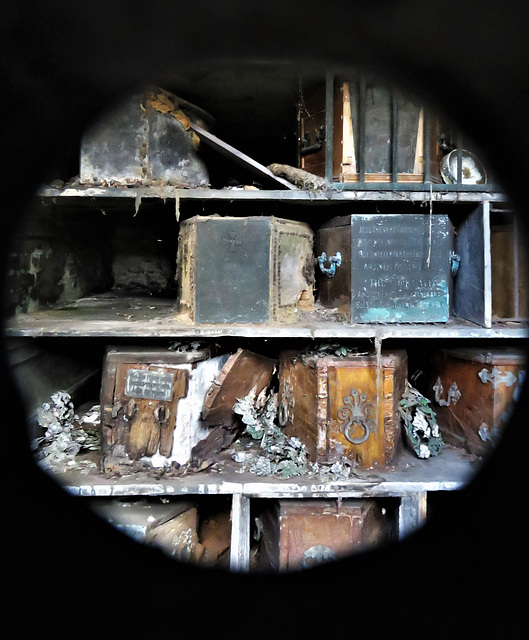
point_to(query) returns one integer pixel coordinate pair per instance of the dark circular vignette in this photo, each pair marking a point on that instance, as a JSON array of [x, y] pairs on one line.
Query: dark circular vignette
[[61, 64]]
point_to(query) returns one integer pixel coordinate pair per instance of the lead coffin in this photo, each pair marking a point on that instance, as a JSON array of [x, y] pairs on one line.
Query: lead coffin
[[253, 269], [386, 267]]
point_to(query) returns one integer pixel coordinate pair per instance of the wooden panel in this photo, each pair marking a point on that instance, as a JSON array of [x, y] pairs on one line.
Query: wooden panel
[[363, 409], [472, 284], [243, 371], [298, 392]]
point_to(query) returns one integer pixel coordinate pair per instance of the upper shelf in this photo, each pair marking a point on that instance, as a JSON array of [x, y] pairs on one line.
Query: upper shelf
[[115, 315], [338, 193]]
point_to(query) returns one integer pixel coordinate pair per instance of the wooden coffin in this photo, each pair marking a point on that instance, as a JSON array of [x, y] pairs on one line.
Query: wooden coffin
[[253, 269], [242, 372], [362, 134], [145, 141], [150, 404], [472, 392], [386, 267], [300, 534], [344, 405]]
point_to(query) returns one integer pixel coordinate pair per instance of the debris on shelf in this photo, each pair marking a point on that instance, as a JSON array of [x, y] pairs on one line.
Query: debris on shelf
[[67, 434], [420, 423], [276, 453], [329, 349]]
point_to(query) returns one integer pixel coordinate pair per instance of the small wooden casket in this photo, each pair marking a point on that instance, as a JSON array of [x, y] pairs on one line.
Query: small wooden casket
[[344, 405], [300, 534], [145, 141], [386, 267], [473, 393], [150, 404], [253, 269]]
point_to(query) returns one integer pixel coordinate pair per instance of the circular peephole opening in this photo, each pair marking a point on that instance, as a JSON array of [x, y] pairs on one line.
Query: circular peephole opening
[[271, 319]]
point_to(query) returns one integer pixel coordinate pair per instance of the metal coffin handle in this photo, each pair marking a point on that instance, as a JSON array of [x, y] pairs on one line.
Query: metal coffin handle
[[334, 262]]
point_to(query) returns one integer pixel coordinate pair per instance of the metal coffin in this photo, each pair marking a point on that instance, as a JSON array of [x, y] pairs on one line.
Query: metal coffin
[[473, 393], [344, 405], [143, 141], [240, 270], [386, 268], [300, 534], [150, 404]]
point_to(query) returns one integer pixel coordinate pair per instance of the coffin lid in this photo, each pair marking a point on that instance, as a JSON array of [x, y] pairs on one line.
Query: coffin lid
[[497, 356]]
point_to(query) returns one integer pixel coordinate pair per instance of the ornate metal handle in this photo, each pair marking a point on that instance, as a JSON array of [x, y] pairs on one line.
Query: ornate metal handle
[[334, 262], [452, 396], [497, 377], [356, 415]]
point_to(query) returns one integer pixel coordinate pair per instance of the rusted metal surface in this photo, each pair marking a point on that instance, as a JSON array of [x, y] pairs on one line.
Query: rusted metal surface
[[244, 270], [145, 140]]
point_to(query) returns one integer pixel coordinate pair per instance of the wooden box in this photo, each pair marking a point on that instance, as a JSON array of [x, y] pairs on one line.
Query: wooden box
[[242, 372], [344, 405], [472, 392], [150, 404], [253, 269], [386, 267], [144, 141], [363, 129], [300, 534]]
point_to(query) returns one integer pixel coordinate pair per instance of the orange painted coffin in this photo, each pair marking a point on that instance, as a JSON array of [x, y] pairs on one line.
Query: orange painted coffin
[[344, 405]]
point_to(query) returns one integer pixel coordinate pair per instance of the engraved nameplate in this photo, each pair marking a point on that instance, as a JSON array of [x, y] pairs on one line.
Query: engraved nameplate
[[400, 268], [153, 385]]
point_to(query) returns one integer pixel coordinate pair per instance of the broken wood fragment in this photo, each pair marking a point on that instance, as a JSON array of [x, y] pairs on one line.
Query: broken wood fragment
[[299, 177]]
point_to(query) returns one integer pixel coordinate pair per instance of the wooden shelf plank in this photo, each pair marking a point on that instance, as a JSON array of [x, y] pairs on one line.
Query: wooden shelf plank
[[451, 470], [323, 196], [110, 315]]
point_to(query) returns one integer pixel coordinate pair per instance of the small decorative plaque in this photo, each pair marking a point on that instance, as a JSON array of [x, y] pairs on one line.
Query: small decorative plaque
[[154, 385]]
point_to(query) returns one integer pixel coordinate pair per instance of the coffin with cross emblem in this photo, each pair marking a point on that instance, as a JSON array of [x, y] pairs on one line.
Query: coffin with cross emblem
[[256, 269], [151, 399], [344, 405], [473, 393], [301, 534]]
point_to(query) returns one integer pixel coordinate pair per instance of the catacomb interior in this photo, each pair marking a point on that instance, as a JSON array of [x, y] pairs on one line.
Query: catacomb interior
[[98, 265]]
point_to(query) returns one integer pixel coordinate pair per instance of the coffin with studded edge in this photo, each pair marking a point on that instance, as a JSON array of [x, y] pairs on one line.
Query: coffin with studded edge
[[473, 393], [344, 405]]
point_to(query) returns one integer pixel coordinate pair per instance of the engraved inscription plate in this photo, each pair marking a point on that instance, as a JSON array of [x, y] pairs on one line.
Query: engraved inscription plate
[[154, 385], [400, 268]]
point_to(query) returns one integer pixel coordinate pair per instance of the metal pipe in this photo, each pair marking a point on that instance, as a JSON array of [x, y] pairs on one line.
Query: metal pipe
[[361, 130], [393, 139]]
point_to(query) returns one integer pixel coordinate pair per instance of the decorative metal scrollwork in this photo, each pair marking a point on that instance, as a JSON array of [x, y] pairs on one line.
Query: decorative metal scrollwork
[[334, 262], [496, 377], [452, 396], [317, 554], [285, 412], [355, 416]]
